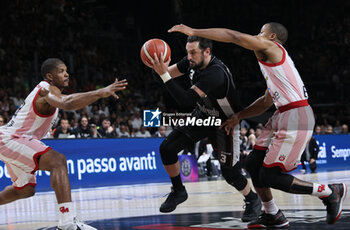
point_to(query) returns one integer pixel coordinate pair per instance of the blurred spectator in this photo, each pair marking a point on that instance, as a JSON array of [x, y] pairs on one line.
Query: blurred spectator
[[243, 139], [337, 128], [244, 124], [317, 130], [143, 132], [84, 130], [161, 132], [49, 134], [95, 121], [5, 105], [310, 155], [117, 122], [106, 130], [12, 109], [258, 131], [94, 113], [203, 154], [329, 129], [63, 131], [73, 123], [251, 139], [136, 122], [123, 131], [104, 109], [345, 129], [2, 120], [17, 100]]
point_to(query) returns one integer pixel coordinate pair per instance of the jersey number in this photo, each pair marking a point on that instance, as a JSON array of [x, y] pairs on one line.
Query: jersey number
[[223, 158]]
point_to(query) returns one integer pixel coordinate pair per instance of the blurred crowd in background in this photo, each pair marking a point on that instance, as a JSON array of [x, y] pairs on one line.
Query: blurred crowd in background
[[99, 41]]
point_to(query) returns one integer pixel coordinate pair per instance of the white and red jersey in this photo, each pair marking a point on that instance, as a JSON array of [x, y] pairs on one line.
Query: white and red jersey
[[27, 121], [284, 82], [290, 128]]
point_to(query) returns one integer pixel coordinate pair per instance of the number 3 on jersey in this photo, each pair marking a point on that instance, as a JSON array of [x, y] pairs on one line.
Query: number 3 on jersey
[[222, 158]]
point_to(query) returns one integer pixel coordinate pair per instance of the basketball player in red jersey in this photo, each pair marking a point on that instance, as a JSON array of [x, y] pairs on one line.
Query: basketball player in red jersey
[[24, 153], [279, 147]]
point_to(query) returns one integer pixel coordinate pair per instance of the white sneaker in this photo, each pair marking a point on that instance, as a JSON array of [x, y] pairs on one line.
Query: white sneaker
[[75, 225]]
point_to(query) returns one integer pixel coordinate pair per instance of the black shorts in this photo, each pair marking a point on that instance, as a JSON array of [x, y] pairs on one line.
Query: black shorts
[[226, 146]]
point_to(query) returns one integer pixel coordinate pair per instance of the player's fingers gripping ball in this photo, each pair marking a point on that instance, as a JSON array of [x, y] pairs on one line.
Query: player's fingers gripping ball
[[152, 46]]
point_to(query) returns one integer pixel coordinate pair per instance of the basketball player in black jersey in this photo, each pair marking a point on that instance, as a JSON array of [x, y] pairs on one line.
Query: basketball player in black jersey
[[214, 95]]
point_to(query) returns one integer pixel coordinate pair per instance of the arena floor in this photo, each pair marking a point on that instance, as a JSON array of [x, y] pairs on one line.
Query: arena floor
[[211, 205]]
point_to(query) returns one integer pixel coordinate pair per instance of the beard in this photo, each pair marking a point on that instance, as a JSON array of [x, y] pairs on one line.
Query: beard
[[197, 66]]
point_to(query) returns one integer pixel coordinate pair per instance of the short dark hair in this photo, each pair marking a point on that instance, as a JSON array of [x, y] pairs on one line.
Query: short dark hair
[[280, 31], [203, 42], [49, 64], [63, 119]]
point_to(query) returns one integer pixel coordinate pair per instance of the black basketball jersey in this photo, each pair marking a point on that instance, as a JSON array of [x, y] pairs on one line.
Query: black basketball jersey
[[216, 82]]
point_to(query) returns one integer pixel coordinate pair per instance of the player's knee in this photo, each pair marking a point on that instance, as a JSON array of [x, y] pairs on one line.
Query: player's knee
[[275, 178], [254, 161], [60, 160], [234, 177], [267, 176], [167, 154]]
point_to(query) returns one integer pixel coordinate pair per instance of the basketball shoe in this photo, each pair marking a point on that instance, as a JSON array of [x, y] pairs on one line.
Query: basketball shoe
[[334, 202], [252, 210], [75, 225], [174, 198], [269, 221]]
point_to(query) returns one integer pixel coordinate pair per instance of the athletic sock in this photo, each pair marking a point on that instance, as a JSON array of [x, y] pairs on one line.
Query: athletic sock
[[321, 190], [270, 207], [66, 213], [251, 196], [177, 183]]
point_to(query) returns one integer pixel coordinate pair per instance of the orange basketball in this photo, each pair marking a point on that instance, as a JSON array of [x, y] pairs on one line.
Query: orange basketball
[[152, 46]]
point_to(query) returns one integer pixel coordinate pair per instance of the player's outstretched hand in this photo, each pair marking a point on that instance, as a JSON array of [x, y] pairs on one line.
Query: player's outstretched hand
[[182, 29], [114, 87], [230, 124]]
